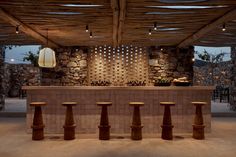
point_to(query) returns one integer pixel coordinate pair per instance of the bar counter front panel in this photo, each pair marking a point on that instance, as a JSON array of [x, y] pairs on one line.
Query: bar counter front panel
[[87, 113]]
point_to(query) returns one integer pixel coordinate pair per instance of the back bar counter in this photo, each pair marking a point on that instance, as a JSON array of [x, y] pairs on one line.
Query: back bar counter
[[87, 113]]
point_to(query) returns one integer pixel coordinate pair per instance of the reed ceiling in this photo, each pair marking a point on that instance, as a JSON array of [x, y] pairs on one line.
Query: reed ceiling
[[116, 22]]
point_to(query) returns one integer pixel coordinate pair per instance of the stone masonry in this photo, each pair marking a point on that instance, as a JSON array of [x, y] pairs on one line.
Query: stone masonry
[[170, 63], [71, 68], [2, 95]]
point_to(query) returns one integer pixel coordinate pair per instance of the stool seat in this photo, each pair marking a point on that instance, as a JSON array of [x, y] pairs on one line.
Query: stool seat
[[69, 103], [167, 103], [104, 103], [136, 104], [37, 104], [199, 103]]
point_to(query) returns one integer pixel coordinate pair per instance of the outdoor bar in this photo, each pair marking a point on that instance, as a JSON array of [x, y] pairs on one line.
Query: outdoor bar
[[92, 77]]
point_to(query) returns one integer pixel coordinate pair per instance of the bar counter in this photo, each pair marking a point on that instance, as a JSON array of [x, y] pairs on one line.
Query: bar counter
[[87, 113]]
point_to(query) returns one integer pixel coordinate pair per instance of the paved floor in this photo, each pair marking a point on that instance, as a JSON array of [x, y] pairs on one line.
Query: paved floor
[[16, 143]]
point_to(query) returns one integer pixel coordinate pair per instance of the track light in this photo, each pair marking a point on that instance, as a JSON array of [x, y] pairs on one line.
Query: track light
[[155, 26], [91, 35], [150, 32], [87, 28], [223, 28], [17, 29]]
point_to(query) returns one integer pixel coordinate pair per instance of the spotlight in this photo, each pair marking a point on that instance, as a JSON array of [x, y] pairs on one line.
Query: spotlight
[[91, 35], [193, 59], [150, 32], [155, 26], [223, 28], [87, 28], [17, 29]]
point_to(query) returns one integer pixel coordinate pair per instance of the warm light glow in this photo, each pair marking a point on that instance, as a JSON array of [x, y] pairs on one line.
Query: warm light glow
[[193, 59], [223, 28], [17, 29], [87, 29], [150, 32], [47, 58]]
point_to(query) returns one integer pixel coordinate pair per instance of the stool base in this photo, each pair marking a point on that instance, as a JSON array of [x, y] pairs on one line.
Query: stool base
[[167, 133], [69, 132], [104, 132], [136, 132], [198, 132], [37, 132]]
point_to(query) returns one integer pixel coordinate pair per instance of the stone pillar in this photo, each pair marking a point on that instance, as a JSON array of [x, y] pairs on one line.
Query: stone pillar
[[2, 94], [233, 79]]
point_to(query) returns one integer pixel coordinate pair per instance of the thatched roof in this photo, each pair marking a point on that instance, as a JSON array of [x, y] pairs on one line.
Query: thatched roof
[[116, 22]]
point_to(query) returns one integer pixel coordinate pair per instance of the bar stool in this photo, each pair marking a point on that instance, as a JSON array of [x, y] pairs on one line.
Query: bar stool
[[136, 128], [69, 126], [104, 127], [38, 126], [167, 124], [198, 126]]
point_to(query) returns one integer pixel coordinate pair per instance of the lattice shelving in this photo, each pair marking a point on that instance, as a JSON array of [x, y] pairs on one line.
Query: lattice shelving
[[118, 65]]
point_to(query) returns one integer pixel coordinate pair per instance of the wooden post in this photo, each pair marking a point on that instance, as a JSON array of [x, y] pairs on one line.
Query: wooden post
[[38, 126], [167, 126], [198, 126], [136, 128], [69, 127], [104, 127]]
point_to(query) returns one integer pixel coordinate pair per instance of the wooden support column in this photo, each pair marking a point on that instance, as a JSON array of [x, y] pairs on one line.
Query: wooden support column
[[7, 17], [121, 20], [115, 8], [232, 99]]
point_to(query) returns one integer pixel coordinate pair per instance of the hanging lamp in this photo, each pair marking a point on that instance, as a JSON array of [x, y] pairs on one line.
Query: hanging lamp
[[47, 58]]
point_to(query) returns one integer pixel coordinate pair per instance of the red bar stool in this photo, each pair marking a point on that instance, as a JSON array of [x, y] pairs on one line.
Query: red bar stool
[[104, 127], [167, 126], [69, 126], [198, 126], [136, 127], [38, 126]]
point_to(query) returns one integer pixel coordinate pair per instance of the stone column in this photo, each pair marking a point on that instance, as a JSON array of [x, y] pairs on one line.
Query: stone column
[[233, 79], [2, 94]]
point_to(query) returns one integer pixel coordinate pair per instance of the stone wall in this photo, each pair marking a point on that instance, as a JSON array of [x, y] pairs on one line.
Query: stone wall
[[221, 74], [17, 75], [170, 63], [71, 68], [233, 78], [1, 79]]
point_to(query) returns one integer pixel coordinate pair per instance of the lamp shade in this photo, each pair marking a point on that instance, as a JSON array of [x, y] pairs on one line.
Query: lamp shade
[[47, 58]]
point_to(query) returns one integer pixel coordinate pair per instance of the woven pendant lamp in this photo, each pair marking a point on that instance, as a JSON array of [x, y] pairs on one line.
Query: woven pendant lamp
[[47, 58]]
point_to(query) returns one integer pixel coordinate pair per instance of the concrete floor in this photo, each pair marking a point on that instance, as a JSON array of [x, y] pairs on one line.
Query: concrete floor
[[14, 142]]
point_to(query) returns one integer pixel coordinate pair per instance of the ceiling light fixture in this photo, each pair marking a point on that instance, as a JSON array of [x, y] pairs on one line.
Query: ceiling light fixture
[[87, 28], [223, 27], [17, 29], [91, 35], [47, 58], [155, 26], [150, 32]]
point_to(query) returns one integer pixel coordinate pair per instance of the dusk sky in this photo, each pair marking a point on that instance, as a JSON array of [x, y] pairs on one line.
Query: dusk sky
[[18, 53]]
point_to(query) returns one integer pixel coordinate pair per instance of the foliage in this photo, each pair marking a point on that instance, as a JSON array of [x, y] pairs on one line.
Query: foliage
[[33, 58], [212, 59], [208, 57]]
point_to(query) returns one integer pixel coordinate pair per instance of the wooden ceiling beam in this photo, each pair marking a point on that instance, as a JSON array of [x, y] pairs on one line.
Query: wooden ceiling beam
[[115, 8], [121, 20], [7, 17], [230, 15]]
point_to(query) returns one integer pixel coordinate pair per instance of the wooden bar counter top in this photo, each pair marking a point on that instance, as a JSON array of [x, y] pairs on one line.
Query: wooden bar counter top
[[87, 114]]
